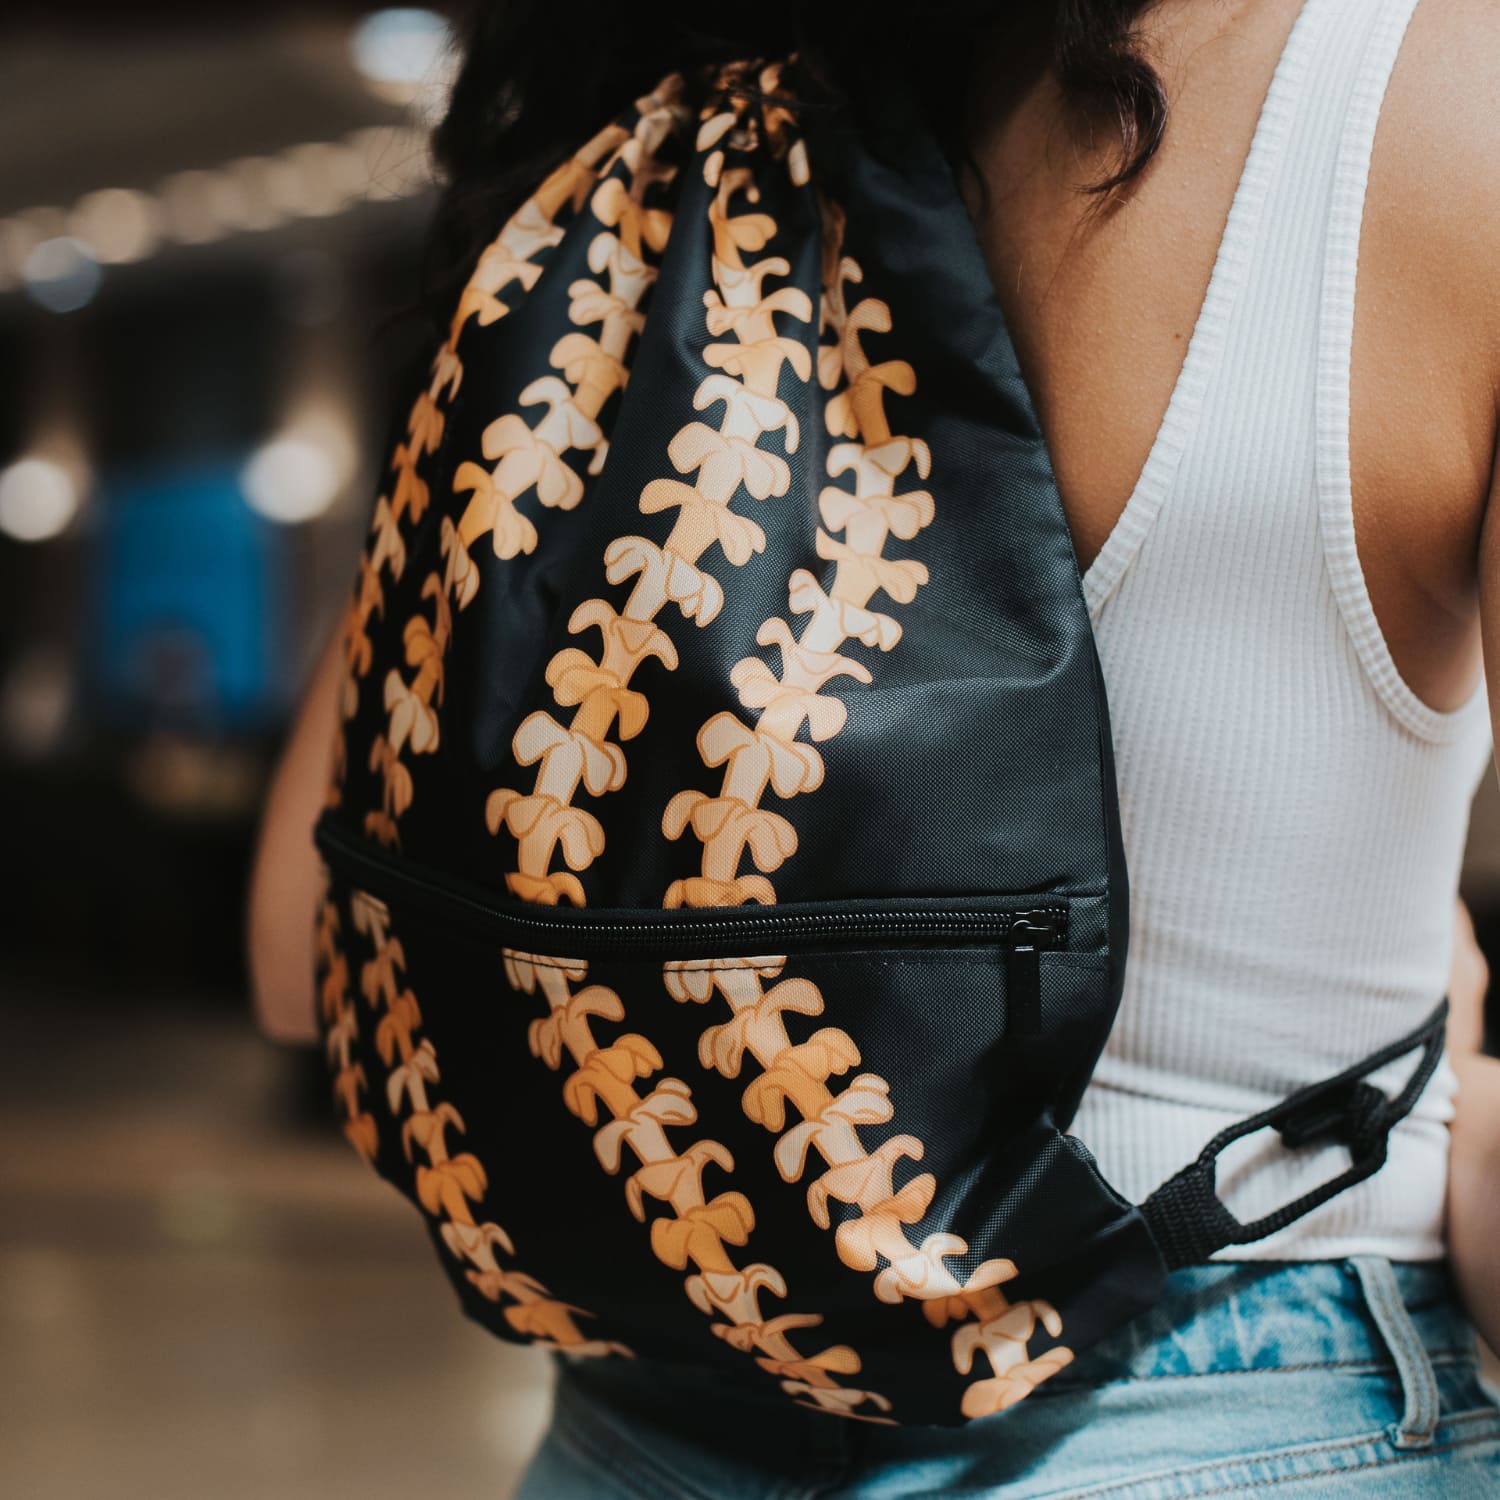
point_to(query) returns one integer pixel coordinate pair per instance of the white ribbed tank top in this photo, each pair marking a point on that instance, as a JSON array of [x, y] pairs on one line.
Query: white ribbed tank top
[[1294, 815]]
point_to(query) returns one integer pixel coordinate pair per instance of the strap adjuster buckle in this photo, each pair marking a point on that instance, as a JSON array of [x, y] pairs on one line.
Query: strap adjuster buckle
[[1351, 1112], [1188, 1220]]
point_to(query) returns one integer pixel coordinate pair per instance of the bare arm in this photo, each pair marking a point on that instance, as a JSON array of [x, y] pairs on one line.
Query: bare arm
[[287, 877], [1473, 1228]]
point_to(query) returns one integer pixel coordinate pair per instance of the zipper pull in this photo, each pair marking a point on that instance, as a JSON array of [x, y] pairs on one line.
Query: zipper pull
[[1027, 933]]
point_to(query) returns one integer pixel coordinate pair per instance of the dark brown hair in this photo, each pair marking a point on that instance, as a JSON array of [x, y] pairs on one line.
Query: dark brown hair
[[536, 77]]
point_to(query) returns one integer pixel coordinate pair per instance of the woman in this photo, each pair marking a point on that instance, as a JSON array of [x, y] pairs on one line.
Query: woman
[[1289, 606]]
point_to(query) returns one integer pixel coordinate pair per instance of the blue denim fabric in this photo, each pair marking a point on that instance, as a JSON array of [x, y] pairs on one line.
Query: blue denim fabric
[[1356, 1377]]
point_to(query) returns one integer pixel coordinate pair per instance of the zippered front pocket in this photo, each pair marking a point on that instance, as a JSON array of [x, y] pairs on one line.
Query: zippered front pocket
[[814, 1109], [1018, 928]]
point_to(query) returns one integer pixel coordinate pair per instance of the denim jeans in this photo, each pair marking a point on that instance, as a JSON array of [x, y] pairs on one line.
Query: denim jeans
[[1356, 1377]]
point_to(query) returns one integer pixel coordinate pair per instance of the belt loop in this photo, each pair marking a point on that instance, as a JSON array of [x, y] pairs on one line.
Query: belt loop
[[1419, 1418]]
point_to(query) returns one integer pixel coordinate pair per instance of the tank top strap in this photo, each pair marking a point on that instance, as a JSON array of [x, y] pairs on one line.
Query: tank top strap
[[1279, 146], [1383, 27]]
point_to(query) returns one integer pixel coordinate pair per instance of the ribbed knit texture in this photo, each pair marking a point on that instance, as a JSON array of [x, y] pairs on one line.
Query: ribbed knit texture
[[1294, 816]]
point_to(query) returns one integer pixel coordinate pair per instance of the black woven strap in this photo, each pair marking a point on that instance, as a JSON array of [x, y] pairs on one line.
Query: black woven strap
[[1185, 1215]]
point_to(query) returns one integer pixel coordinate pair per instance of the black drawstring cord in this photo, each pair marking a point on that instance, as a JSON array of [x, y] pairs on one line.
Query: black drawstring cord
[[1187, 1218]]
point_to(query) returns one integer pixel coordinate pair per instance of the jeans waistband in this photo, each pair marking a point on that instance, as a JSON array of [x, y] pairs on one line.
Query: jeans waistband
[[1256, 1315], [1214, 1318], [1296, 1371]]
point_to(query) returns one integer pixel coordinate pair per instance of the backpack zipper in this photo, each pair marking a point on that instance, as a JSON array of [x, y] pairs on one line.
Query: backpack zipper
[[1020, 932]]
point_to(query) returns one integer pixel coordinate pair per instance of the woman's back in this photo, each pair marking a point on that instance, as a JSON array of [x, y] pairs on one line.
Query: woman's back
[[1300, 725]]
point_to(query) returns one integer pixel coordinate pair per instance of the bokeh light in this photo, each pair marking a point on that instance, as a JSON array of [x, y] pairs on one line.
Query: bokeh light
[[292, 478], [118, 224], [401, 45], [38, 499], [61, 274]]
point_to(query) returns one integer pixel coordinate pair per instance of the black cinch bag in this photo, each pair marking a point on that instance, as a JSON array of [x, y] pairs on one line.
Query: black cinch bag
[[726, 902]]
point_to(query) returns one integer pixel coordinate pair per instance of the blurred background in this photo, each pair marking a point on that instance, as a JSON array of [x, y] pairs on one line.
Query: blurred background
[[210, 220], [209, 235]]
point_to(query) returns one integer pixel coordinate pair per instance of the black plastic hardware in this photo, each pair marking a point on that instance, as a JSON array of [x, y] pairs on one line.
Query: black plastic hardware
[[1023, 972], [1188, 1220]]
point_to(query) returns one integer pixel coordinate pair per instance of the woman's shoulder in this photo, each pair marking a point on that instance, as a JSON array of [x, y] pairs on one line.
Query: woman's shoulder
[[1436, 158]]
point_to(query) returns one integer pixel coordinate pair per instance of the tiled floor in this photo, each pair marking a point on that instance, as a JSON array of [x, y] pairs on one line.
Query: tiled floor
[[202, 1300]]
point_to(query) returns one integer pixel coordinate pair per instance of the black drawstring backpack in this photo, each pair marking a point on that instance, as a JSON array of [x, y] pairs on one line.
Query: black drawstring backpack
[[726, 901]]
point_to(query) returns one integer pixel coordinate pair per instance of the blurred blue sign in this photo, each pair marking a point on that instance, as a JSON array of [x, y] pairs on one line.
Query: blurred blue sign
[[187, 602]]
